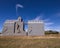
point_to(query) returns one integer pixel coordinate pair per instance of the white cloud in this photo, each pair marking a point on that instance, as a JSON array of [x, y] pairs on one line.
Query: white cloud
[[48, 26], [49, 23], [38, 18], [57, 14], [54, 28], [57, 28], [46, 21], [19, 5]]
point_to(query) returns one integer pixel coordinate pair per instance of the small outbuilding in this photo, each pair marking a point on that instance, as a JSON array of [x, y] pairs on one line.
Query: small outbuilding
[[35, 28]]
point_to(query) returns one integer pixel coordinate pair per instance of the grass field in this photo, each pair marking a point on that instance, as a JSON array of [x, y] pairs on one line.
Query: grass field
[[29, 42]]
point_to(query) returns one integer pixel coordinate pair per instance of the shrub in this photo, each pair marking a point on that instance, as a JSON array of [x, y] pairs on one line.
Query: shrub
[[51, 32]]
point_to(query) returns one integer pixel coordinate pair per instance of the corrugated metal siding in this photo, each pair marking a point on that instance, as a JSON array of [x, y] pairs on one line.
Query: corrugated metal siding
[[35, 29]]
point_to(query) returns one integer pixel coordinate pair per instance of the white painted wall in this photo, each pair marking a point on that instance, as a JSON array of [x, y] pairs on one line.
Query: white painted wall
[[35, 28]]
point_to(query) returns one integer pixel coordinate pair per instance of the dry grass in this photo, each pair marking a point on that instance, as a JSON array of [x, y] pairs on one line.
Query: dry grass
[[30, 42]]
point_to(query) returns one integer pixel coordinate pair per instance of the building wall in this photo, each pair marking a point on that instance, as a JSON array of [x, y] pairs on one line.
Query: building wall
[[8, 29], [35, 29], [16, 27], [13, 27], [19, 28]]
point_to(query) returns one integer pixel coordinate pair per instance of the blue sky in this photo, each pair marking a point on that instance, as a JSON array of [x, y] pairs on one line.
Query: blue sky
[[47, 10]]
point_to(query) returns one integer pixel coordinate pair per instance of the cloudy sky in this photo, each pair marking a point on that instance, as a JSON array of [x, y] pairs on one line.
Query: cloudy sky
[[46, 10]]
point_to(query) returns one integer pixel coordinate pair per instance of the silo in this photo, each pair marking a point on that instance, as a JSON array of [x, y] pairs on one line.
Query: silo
[[35, 28]]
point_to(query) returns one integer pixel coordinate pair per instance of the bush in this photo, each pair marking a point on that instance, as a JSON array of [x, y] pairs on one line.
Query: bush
[[51, 32]]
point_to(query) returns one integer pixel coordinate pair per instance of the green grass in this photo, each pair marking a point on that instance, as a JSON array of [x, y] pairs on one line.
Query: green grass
[[19, 42]]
